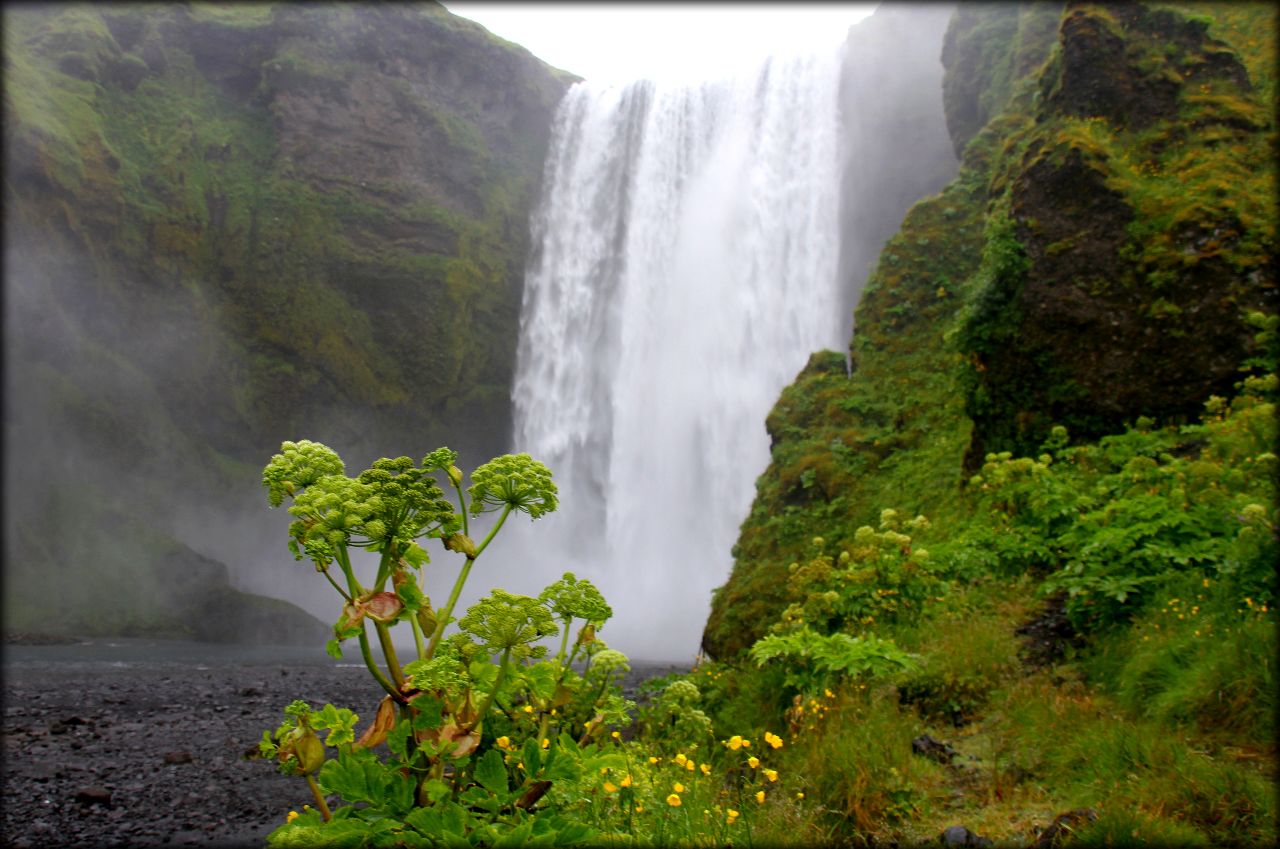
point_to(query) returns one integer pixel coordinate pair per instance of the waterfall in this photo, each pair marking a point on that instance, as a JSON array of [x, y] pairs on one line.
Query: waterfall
[[684, 268]]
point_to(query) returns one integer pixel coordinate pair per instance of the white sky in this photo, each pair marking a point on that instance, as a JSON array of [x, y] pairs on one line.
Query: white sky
[[619, 42]]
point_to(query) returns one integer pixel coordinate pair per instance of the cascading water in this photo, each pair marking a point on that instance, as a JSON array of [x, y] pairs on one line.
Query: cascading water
[[684, 268]]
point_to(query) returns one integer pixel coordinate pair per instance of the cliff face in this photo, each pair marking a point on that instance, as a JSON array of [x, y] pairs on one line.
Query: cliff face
[[1093, 262], [231, 225], [1145, 231]]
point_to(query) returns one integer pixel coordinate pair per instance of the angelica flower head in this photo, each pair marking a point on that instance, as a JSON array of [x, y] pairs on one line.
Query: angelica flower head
[[504, 621], [297, 466], [611, 661], [513, 480], [572, 597]]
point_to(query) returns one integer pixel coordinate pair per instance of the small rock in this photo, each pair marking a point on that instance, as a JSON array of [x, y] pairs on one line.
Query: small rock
[[178, 757], [94, 796], [251, 691], [958, 835], [932, 749], [1064, 825]]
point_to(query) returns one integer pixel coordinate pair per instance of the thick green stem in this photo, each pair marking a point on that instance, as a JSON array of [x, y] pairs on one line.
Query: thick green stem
[[319, 797], [497, 526], [417, 638], [344, 560], [564, 644], [444, 614], [367, 653], [389, 652]]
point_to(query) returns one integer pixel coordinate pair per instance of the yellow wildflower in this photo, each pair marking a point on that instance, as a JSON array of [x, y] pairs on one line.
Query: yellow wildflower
[[652, 760], [610, 787], [735, 742], [773, 739], [828, 694], [293, 815], [733, 815], [800, 795], [545, 742], [753, 762], [528, 708], [678, 787], [615, 735], [760, 796], [746, 744], [680, 758], [626, 780], [689, 765], [771, 774], [706, 769], [503, 743], [673, 800]]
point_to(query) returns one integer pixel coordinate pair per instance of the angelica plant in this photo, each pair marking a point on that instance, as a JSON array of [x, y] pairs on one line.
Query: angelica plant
[[448, 775]]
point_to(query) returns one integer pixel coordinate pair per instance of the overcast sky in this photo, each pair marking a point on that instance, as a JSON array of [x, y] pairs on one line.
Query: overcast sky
[[618, 42]]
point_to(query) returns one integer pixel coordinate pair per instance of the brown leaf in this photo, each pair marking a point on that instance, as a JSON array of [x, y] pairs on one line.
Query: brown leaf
[[382, 724], [351, 616], [533, 794], [383, 606]]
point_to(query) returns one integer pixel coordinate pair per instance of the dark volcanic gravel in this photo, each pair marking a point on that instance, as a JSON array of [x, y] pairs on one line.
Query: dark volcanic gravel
[[152, 753]]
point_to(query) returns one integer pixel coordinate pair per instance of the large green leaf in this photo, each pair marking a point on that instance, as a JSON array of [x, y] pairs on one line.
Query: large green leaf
[[491, 773]]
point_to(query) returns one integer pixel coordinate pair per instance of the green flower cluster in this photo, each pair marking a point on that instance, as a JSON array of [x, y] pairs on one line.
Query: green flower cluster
[[297, 466], [570, 597], [516, 481], [384, 508], [507, 622]]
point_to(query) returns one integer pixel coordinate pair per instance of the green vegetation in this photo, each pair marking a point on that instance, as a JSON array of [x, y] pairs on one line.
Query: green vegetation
[[489, 739]]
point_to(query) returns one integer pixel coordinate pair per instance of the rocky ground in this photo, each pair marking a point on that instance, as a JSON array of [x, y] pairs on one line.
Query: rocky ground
[[145, 754]]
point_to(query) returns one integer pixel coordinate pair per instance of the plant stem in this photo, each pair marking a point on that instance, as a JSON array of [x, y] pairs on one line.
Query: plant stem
[[564, 644], [319, 797], [417, 637], [389, 651], [341, 591], [373, 666], [444, 614], [462, 506], [344, 560], [497, 526]]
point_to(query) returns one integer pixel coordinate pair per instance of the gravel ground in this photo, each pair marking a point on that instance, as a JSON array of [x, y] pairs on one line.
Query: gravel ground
[[143, 753]]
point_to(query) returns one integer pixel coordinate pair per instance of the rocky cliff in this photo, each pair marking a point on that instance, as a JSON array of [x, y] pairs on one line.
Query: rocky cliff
[[1094, 261], [229, 225]]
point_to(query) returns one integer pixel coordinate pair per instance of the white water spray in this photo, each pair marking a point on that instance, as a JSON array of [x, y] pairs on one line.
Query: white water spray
[[684, 268]]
